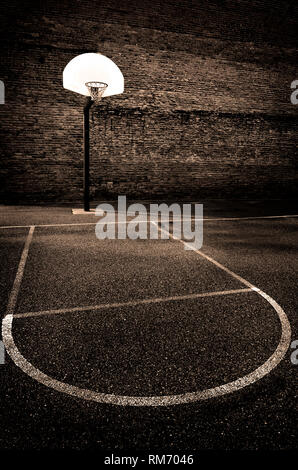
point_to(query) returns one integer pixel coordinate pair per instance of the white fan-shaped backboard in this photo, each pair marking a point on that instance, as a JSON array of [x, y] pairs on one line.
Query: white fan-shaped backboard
[[92, 67]]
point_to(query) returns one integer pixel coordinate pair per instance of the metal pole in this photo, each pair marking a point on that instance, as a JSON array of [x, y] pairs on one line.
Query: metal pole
[[87, 107]]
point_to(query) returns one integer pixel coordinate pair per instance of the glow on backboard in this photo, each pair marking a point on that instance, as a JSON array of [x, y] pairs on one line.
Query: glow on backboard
[[93, 67]]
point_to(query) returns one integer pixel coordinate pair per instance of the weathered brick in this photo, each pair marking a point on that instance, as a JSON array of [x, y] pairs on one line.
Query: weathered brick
[[206, 110]]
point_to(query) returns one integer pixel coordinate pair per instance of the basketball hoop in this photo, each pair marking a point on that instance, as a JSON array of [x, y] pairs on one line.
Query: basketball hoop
[[96, 76], [96, 89]]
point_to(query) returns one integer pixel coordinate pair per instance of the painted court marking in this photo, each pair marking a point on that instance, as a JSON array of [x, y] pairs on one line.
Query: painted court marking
[[209, 219], [129, 303], [165, 400]]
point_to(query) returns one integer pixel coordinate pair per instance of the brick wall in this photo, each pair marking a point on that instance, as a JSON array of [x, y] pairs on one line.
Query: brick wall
[[206, 111]]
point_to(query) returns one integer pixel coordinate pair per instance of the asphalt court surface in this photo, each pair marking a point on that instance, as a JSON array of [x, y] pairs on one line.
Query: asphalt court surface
[[83, 270], [153, 349], [164, 346]]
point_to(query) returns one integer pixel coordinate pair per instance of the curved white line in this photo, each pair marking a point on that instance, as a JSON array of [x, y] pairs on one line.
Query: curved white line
[[165, 400]]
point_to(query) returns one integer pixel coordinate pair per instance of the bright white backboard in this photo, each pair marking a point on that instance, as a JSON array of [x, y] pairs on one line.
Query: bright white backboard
[[92, 67]]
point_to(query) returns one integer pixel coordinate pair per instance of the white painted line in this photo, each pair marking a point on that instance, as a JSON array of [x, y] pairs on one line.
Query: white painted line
[[166, 400], [205, 219], [19, 276], [15, 226], [210, 219], [227, 270], [69, 225], [45, 225], [131, 303]]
